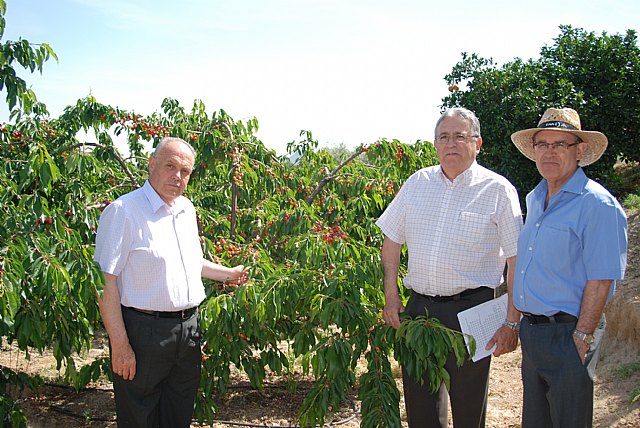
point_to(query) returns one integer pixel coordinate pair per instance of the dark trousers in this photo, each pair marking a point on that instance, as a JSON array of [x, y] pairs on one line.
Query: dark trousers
[[469, 383], [557, 387], [168, 358]]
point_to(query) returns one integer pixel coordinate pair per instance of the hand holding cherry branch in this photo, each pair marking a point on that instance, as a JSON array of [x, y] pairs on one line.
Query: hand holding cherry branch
[[237, 276]]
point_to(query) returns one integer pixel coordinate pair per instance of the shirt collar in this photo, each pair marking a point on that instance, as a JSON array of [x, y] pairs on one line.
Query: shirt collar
[[156, 202], [463, 178], [575, 184]]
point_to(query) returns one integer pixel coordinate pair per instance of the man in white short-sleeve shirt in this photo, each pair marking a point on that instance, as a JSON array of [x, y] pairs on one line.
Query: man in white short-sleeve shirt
[[148, 247], [460, 223]]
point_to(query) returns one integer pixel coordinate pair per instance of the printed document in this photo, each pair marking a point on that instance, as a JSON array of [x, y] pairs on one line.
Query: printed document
[[481, 322]]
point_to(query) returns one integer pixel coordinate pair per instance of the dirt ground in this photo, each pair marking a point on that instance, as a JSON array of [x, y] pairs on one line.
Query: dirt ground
[[57, 406]]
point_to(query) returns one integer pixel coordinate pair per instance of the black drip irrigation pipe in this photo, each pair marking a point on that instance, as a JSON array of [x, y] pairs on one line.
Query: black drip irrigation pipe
[[71, 413]]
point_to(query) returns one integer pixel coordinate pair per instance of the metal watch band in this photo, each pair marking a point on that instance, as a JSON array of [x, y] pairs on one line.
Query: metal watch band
[[513, 325]]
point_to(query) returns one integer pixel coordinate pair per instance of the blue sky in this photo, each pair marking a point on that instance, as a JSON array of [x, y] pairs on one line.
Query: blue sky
[[350, 71]]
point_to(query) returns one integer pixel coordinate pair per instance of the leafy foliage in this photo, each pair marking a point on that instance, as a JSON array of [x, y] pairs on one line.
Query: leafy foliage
[[304, 223], [28, 56], [599, 76], [10, 413], [631, 202], [305, 228]]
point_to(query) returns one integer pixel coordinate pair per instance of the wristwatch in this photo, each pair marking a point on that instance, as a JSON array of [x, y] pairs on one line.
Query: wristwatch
[[585, 337], [513, 325]]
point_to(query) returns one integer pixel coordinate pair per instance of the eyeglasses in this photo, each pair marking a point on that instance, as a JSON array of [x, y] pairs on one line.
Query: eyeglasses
[[540, 146], [454, 139]]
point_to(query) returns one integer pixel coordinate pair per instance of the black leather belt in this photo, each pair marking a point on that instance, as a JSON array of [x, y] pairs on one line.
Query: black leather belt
[[559, 318], [183, 314], [465, 293]]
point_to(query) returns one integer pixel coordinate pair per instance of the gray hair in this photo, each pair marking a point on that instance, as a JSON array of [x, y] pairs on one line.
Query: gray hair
[[167, 140], [464, 114]]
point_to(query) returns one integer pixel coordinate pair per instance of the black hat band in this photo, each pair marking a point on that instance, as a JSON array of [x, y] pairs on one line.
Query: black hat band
[[557, 124]]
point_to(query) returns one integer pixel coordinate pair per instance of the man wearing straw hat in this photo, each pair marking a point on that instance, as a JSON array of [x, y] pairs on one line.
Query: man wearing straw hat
[[571, 251]]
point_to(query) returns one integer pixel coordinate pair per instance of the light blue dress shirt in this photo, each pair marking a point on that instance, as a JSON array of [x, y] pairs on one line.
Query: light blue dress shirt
[[581, 236]]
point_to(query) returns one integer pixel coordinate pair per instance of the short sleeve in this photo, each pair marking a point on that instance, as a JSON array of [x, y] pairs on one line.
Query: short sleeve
[[113, 240], [510, 222], [392, 220], [605, 242]]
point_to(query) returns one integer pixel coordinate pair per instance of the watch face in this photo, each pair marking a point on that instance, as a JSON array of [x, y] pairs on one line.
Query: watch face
[[587, 338]]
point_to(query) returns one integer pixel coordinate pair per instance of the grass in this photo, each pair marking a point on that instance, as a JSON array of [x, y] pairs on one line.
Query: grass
[[628, 177], [625, 371], [631, 202]]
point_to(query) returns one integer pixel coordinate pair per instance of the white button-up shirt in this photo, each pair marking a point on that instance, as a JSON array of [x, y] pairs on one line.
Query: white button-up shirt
[[458, 233], [153, 249]]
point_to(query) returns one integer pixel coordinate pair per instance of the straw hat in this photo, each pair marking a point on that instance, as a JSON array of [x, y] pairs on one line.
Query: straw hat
[[565, 120]]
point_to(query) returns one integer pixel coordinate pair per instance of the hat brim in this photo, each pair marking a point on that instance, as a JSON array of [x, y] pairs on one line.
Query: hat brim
[[596, 143]]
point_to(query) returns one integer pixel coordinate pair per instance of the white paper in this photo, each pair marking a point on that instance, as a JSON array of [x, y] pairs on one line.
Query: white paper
[[482, 322]]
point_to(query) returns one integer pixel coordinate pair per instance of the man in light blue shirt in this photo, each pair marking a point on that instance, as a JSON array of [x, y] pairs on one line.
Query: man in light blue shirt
[[571, 251]]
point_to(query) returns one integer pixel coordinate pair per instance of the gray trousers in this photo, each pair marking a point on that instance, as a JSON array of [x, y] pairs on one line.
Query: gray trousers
[[469, 383], [557, 387], [168, 359]]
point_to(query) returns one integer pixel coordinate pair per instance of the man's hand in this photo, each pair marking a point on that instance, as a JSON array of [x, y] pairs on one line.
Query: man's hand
[[391, 313], [582, 347], [123, 361], [391, 261], [238, 275], [505, 339]]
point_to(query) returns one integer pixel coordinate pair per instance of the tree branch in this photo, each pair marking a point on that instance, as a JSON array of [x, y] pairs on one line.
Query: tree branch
[[234, 190], [121, 161], [332, 175]]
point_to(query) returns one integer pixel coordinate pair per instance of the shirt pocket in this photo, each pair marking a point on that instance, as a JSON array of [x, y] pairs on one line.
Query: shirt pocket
[[559, 244], [475, 230]]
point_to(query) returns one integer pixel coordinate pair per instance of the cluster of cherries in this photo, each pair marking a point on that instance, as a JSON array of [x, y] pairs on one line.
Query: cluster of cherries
[[236, 159], [330, 234]]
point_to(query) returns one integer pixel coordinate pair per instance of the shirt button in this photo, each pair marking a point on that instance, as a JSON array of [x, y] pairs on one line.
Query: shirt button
[[521, 272], [537, 224], [530, 248]]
